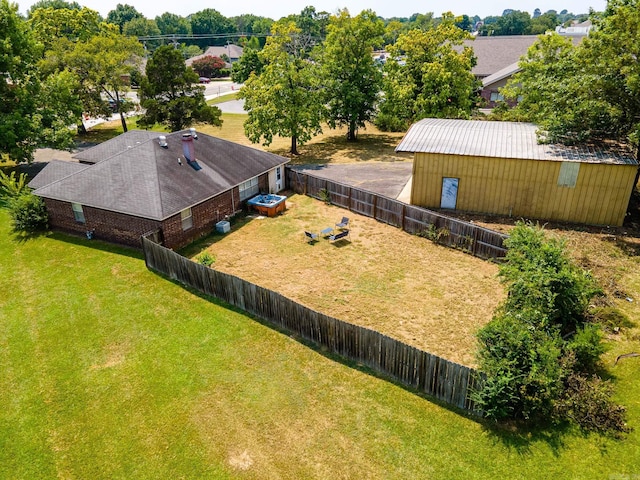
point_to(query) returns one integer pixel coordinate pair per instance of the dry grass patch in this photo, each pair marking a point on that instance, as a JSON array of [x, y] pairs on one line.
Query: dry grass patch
[[401, 285]]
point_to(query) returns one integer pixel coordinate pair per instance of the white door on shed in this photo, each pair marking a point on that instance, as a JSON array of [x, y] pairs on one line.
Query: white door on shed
[[449, 193]]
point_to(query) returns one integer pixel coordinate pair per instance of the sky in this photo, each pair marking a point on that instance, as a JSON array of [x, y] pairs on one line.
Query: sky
[[384, 8]]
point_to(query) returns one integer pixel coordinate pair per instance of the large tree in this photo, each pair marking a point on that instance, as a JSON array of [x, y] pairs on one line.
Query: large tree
[[102, 66], [589, 92], [122, 14], [32, 113], [285, 99], [171, 95], [210, 22], [172, 24], [352, 80], [428, 74], [51, 24]]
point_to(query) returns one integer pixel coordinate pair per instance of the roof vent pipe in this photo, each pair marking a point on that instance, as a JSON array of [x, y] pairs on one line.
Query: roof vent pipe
[[194, 134], [162, 141], [187, 147]]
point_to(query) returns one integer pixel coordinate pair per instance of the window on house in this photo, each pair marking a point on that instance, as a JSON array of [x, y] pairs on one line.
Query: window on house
[[78, 214], [568, 175], [278, 174], [248, 188], [496, 97], [187, 219]]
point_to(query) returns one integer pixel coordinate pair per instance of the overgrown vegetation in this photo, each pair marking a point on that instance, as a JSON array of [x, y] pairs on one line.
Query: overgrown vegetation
[[28, 212], [540, 353]]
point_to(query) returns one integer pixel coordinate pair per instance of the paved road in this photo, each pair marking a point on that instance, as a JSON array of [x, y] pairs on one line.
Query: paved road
[[232, 106], [389, 179]]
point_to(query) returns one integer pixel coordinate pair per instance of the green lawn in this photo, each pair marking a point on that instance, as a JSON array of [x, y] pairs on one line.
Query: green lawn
[[110, 371]]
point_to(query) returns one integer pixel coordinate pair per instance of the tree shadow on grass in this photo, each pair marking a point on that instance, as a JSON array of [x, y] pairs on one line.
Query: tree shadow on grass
[[368, 147]]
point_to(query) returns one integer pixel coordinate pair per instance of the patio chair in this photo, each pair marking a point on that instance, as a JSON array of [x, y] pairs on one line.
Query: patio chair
[[311, 237], [342, 235], [344, 223]]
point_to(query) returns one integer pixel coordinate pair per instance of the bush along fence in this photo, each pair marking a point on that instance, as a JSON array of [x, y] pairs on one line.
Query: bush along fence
[[478, 241], [447, 381]]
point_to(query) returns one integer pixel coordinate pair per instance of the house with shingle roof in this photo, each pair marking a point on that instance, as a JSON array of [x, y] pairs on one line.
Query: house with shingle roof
[[177, 185], [231, 51], [501, 168], [497, 60]]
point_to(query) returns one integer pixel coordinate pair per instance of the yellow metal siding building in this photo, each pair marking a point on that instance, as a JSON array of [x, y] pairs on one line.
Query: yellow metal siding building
[[499, 168]]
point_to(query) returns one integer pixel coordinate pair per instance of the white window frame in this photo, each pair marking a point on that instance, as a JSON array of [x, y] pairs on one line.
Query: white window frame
[[249, 188], [78, 212], [186, 217]]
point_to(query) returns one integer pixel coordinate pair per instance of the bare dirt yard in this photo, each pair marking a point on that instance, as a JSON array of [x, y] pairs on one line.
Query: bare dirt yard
[[404, 286]]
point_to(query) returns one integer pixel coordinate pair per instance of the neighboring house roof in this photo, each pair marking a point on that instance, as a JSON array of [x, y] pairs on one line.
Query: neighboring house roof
[[496, 53], [234, 52], [498, 139], [146, 180], [506, 72]]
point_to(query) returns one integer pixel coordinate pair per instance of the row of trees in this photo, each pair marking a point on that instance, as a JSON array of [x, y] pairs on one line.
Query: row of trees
[[292, 85]]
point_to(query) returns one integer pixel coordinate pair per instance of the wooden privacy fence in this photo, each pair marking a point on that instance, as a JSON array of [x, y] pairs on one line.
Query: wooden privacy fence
[[445, 380], [481, 242]]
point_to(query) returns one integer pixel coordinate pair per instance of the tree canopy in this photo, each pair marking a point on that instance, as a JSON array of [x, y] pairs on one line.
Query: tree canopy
[[122, 14], [588, 92], [285, 99], [32, 112], [351, 78], [428, 74], [171, 95]]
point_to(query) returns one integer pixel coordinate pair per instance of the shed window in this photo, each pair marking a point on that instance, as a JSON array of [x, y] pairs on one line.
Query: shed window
[[187, 219], [249, 188], [568, 175], [78, 213]]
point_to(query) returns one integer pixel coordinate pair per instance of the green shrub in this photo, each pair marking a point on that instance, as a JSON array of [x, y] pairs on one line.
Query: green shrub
[[587, 347], [539, 353], [206, 259], [28, 213], [11, 187]]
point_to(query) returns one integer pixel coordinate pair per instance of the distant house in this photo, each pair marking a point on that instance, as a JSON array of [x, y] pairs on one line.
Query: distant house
[[500, 168], [497, 60], [177, 186], [231, 51]]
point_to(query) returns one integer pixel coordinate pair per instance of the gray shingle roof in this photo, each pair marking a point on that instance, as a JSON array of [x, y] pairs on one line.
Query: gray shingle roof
[[497, 139], [146, 180], [115, 146], [495, 53], [54, 171]]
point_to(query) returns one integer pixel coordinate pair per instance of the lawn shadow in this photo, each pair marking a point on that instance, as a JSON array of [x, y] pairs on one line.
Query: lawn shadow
[[368, 147], [97, 244], [519, 437]]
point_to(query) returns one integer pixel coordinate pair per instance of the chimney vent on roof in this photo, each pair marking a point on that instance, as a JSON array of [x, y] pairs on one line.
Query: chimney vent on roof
[[187, 147], [162, 141], [194, 134]]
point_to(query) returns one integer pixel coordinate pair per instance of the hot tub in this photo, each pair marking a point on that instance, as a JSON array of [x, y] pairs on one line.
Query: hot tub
[[268, 204]]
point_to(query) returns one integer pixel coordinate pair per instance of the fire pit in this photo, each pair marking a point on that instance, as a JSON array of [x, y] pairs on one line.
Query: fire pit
[[268, 204]]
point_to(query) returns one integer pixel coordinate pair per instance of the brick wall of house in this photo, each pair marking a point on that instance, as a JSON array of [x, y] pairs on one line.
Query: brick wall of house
[[204, 215], [110, 226]]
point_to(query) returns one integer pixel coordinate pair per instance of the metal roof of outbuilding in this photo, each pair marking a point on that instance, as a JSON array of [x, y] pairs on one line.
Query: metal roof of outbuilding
[[498, 139]]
